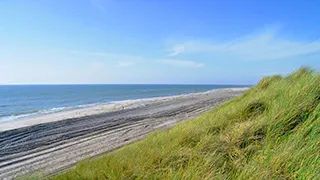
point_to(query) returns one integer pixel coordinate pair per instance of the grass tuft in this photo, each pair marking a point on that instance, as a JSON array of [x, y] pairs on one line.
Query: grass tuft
[[254, 109]]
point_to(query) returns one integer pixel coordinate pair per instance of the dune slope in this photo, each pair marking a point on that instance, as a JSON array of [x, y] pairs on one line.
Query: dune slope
[[272, 131]]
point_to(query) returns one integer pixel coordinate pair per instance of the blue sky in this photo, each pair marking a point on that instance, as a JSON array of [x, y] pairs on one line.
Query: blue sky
[[155, 41]]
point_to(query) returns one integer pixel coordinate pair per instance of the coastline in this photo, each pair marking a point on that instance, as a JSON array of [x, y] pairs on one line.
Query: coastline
[[95, 109], [53, 145]]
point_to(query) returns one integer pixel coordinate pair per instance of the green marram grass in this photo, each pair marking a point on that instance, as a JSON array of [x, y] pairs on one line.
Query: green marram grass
[[272, 131]]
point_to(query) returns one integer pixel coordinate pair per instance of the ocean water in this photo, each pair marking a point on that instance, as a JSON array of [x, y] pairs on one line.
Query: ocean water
[[24, 101]]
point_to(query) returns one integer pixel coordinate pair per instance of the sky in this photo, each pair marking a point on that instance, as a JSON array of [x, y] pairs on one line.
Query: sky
[[155, 41]]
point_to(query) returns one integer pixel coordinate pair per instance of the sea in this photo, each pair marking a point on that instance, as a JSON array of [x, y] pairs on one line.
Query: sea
[[19, 102]]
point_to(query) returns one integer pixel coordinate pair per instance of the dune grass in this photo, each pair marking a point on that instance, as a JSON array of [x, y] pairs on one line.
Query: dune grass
[[272, 131]]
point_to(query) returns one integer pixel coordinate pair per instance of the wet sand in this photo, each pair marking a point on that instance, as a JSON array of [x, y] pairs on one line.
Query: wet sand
[[52, 143]]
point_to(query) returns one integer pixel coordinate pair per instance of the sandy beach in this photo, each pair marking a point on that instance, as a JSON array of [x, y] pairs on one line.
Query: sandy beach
[[54, 142]]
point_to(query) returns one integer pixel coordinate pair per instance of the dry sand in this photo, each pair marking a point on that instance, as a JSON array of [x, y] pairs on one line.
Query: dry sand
[[52, 143]]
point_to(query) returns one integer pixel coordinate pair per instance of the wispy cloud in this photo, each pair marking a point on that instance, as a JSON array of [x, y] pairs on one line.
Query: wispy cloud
[[262, 46], [177, 49], [182, 63]]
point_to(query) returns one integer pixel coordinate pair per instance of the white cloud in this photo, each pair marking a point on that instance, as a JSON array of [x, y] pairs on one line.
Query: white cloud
[[182, 63], [177, 49], [263, 46]]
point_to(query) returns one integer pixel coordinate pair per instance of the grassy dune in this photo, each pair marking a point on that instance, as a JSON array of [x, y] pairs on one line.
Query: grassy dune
[[272, 131]]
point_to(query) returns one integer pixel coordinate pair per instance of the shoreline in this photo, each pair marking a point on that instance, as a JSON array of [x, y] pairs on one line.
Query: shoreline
[[52, 146], [77, 97], [94, 109]]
